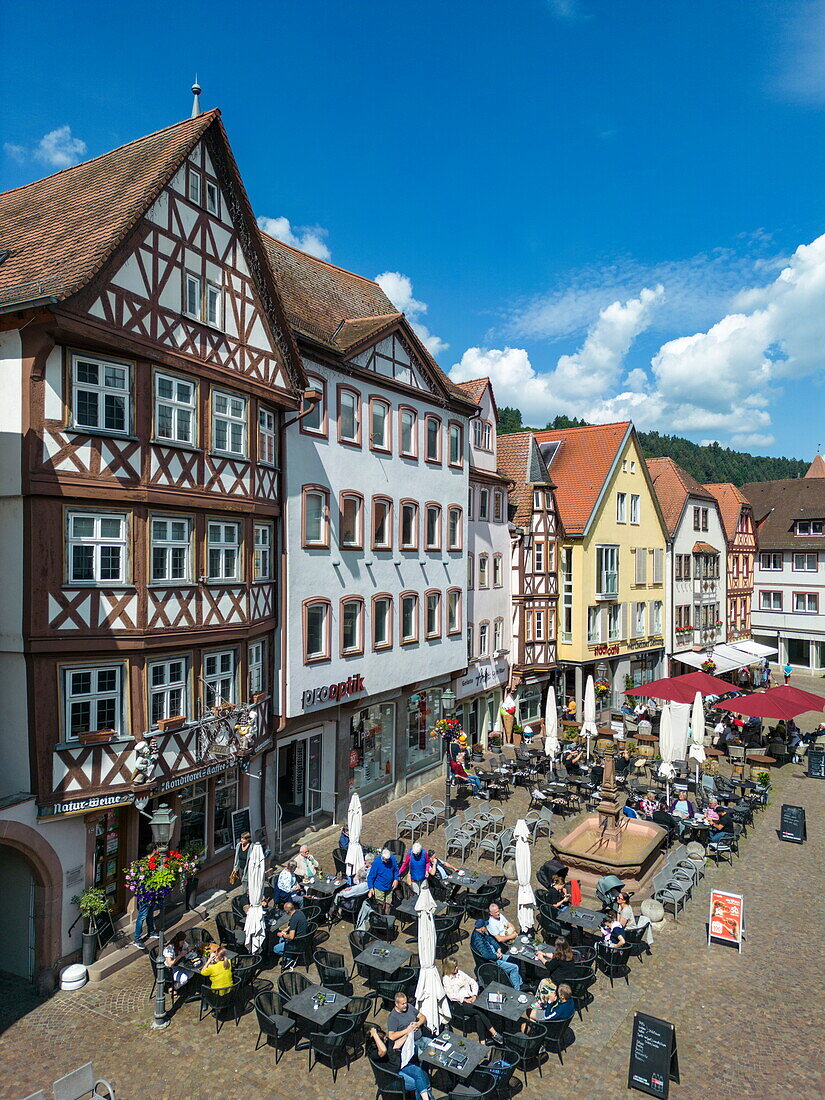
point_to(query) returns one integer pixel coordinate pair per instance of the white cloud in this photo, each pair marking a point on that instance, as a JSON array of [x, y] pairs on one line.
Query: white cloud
[[58, 148], [399, 289], [309, 238], [752, 439]]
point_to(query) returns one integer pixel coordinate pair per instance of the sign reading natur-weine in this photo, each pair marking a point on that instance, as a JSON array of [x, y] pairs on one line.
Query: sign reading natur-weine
[[332, 693]]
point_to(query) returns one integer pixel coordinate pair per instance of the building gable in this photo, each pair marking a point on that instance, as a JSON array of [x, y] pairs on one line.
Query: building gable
[[394, 357]]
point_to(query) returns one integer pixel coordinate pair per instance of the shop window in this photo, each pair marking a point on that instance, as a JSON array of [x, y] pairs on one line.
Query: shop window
[[372, 749], [530, 704], [424, 709], [193, 815], [226, 802]]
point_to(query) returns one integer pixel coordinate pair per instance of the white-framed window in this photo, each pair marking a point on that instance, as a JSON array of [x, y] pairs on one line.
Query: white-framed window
[[381, 622], [470, 501], [352, 626], [408, 419], [229, 423], [433, 623], [621, 507], [498, 635], [536, 626], [432, 527], [316, 517], [267, 438], [483, 639], [607, 571], [171, 549], [635, 509], [484, 504], [219, 672], [193, 188], [168, 689], [538, 556], [808, 527], [805, 563], [222, 546], [203, 300], [454, 611], [316, 630], [93, 700], [176, 416], [381, 523], [379, 425], [454, 530], [262, 552], [409, 617], [257, 667], [656, 617], [770, 600], [101, 395], [498, 571], [594, 625], [483, 571], [614, 620], [352, 521], [349, 416], [470, 642], [409, 525], [806, 603], [97, 548], [770, 561], [212, 197], [432, 438], [456, 445], [639, 610]]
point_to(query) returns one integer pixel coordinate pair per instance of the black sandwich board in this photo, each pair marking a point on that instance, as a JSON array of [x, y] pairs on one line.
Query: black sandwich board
[[792, 825], [653, 1059], [240, 824], [816, 765], [104, 928]]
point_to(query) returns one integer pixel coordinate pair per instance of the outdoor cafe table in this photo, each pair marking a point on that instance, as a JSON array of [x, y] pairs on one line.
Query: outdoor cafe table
[[523, 950], [699, 829], [458, 1048], [407, 908], [512, 1006], [304, 1005], [579, 917], [386, 957], [325, 885], [470, 880]]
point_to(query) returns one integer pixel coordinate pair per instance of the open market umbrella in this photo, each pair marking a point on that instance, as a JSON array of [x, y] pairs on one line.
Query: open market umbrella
[[551, 726], [779, 702], [589, 715], [254, 932], [430, 997], [355, 855], [681, 689], [526, 897], [697, 735], [666, 768]]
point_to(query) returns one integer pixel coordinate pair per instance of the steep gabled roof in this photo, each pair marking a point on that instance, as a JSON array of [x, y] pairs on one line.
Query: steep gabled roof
[[731, 501], [580, 467], [519, 458], [59, 231], [778, 504], [817, 467], [475, 388], [673, 486]]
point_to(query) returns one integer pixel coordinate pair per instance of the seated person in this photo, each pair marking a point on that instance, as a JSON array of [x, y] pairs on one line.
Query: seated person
[[388, 1053], [663, 818], [297, 927], [597, 774], [622, 763], [554, 1004], [177, 948], [287, 886], [485, 947], [218, 969], [382, 880], [719, 731], [458, 745], [712, 810], [571, 708], [611, 932], [628, 810], [498, 926], [562, 964], [348, 900], [571, 758], [306, 865], [457, 767], [722, 828], [462, 988], [267, 903], [559, 892], [681, 808], [437, 867], [650, 804], [628, 919]]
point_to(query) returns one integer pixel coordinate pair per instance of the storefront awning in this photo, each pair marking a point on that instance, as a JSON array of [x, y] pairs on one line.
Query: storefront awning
[[756, 648], [726, 657]]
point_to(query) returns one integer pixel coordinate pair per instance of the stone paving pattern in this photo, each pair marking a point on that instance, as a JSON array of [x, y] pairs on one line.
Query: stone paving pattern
[[749, 1024]]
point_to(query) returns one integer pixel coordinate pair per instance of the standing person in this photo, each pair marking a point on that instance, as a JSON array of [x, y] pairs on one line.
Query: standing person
[[343, 839], [239, 872], [416, 861], [571, 708], [786, 672], [383, 879], [146, 911]]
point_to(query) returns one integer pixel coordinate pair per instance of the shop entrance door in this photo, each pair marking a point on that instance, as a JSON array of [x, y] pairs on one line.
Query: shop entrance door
[[299, 778], [17, 913], [108, 858]]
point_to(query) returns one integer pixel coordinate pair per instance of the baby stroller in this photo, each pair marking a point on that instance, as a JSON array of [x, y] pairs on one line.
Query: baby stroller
[[607, 889]]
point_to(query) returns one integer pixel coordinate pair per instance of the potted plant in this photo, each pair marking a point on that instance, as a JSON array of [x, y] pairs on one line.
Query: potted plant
[[166, 725], [152, 878], [518, 732], [91, 903], [494, 742], [763, 779], [628, 681], [95, 737]]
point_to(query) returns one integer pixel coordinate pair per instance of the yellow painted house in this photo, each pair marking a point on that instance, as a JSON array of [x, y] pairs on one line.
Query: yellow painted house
[[612, 567]]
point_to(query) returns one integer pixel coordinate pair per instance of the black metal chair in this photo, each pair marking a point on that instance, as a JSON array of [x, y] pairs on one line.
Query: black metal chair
[[238, 904], [215, 1002], [580, 984], [489, 971], [499, 883], [556, 1033], [358, 942], [227, 926], [332, 970], [357, 1011], [634, 938], [480, 1084], [477, 903], [389, 1085], [612, 961], [397, 848], [446, 933], [383, 927], [299, 950], [291, 984], [272, 1022], [403, 981], [152, 956], [328, 1047], [313, 911], [526, 1047], [586, 956]]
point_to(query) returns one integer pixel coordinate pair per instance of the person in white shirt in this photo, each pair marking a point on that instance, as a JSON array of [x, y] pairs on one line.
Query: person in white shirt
[[288, 888], [347, 899], [498, 926], [461, 988], [306, 866]]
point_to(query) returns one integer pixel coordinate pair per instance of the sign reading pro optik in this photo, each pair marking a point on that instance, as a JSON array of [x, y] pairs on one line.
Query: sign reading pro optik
[[332, 693]]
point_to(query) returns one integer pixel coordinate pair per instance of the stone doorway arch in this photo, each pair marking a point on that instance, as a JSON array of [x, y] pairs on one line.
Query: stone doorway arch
[[48, 877]]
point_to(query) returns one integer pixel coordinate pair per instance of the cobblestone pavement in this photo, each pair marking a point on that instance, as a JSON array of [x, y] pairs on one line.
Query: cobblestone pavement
[[748, 1024]]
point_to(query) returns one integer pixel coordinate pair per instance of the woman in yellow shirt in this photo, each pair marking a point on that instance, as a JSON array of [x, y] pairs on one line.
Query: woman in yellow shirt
[[218, 969]]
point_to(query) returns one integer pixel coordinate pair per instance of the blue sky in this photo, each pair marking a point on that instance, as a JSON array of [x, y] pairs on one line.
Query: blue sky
[[613, 208]]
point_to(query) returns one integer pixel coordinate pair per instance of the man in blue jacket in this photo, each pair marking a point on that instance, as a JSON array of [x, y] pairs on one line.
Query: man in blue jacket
[[484, 946], [383, 879]]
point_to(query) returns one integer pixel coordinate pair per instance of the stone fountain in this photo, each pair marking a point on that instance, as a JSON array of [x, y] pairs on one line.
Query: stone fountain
[[608, 843]]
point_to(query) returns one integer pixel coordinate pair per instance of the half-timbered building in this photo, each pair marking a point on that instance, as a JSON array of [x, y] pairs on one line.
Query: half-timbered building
[[739, 527], [534, 553], [146, 366]]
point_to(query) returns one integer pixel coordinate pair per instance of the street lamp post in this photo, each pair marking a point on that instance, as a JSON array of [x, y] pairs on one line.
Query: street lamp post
[[447, 704], [162, 823]]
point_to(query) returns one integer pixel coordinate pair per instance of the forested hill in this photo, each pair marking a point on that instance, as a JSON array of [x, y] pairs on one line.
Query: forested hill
[[707, 464]]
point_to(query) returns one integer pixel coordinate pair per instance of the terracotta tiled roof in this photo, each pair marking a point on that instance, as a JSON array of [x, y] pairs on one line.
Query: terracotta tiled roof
[[673, 486], [474, 389], [520, 460], [817, 467], [777, 504], [731, 500], [61, 230], [580, 467], [704, 548], [338, 308]]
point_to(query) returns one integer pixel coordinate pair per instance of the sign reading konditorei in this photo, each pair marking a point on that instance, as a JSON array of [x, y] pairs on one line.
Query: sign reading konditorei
[[332, 693], [191, 777], [86, 805]]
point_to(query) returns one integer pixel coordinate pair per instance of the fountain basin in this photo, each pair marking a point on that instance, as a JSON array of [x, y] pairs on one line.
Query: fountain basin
[[635, 859]]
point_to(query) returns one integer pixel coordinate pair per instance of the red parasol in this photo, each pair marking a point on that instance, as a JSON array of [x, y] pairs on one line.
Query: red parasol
[[779, 702], [682, 689]]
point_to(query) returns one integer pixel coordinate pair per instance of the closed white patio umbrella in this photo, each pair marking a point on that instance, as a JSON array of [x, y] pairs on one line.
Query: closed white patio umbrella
[[666, 768], [697, 735], [551, 726], [355, 855], [254, 932], [430, 997], [524, 870], [589, 715]]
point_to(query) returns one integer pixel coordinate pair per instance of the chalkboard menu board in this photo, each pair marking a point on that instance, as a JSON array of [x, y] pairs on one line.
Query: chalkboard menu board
[[816, 765], [653, 1060], [792, 826], [240, 824]]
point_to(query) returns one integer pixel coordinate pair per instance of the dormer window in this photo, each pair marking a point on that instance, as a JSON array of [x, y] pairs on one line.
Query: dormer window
[[808, 527]]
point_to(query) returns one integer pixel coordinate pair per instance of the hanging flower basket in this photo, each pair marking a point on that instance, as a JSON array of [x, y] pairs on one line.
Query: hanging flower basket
[[153, 877], [708, 666], [602, 688]]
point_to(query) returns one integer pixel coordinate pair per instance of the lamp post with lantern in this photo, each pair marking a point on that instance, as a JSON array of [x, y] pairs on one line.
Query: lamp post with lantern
[[162, 824], [447, 706]]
